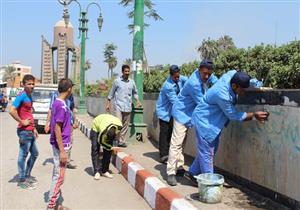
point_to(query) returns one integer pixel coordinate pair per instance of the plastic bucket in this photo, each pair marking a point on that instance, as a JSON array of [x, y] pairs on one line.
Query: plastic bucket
[[210, 187]]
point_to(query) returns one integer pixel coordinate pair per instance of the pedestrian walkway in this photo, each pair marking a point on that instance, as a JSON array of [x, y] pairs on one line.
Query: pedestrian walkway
[[234, 196]]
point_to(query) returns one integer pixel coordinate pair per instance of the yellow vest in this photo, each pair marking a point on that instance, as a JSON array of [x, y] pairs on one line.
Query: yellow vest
[[104, 122]]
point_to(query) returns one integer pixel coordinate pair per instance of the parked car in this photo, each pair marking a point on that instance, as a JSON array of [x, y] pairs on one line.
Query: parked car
[[41, 97]]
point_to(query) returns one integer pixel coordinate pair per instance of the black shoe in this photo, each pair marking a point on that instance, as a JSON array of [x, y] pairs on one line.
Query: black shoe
[[180, 172], [164, 159], [70, 166], [171, 180], [122, 145], [190, 177]]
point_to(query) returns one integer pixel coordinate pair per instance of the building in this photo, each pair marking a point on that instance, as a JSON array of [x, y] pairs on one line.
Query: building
[[62, 46]]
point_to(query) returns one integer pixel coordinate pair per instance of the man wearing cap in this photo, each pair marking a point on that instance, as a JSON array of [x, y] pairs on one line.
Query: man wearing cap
[[188, 98], [214, 112], [167, 96]]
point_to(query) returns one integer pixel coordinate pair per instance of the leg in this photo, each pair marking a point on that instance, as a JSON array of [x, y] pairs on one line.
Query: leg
[[125, 122], [175, 151], [164, 128], [33, 156], [106, 160], [24, 146], [57, 179], [95, 152]]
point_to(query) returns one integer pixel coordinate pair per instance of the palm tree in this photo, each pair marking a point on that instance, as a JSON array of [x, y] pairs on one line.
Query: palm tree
[[10, 74], [208, 49], [150, 13], [128, 61], [225, 43], [110, 59]]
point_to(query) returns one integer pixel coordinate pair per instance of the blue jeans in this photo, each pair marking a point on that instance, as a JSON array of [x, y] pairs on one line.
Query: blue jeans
[[27, 144], [204, 161]]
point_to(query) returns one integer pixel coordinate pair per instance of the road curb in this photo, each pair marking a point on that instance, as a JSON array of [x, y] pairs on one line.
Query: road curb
[[152, 189]]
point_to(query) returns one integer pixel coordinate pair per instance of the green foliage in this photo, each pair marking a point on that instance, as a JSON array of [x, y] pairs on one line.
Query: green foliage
[[277, 67], [110, 58]]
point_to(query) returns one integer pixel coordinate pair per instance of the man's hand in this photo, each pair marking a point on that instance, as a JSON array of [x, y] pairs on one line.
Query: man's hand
[[138, 104], [75, 125], [25, 122], [35, 132], [47, 128], [63, 157], [261, 116], [107, 108]]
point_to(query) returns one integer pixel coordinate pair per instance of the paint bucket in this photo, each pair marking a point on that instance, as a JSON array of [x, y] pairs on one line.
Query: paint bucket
[[210, 186]]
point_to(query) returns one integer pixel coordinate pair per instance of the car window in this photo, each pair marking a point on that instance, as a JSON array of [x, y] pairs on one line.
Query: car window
[[42, 95]]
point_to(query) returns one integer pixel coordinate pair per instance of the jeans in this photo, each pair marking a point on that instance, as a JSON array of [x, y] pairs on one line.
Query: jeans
[[204, 161], [58, 176], [27, 144], [165, 134], [95, 155]]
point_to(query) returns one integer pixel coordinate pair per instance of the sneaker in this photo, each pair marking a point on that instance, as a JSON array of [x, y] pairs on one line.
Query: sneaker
[[70, 166], [97, 176], [171, 180], [26, 185], [108, 175], [32, 180], [189, 176], [180, 172], [164, 159], [122, 144]]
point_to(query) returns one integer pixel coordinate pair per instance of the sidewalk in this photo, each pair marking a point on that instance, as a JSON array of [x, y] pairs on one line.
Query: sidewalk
[[234, 196]]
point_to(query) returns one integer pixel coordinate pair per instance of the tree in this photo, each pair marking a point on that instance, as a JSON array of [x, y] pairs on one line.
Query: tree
[[110, 59], [9, 74], [150, 13], [127, 61]]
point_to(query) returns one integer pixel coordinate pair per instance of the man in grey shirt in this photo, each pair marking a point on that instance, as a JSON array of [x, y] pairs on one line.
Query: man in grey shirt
[[122, 91]]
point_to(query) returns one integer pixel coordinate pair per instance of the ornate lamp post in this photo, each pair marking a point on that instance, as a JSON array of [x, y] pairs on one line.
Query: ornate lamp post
[[83, 28]]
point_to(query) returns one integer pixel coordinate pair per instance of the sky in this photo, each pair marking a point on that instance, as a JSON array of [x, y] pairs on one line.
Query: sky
[[171, 41]]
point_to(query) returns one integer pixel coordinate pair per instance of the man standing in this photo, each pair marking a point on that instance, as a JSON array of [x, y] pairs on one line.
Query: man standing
[[21, 111], [182, 110], [166, 99], [70, 103], [60, 140], [214, 112], [105, 128], [122, 91]]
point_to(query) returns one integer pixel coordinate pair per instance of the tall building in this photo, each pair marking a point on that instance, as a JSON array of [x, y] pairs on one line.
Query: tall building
[[62, 45]]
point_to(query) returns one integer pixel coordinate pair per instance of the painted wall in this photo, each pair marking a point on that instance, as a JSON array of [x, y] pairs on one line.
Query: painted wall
[[266, 154]]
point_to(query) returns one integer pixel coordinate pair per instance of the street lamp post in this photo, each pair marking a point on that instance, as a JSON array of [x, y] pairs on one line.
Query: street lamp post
[[83, 28]]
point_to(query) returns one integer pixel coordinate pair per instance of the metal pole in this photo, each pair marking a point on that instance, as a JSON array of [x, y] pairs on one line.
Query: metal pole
[[83, 28]]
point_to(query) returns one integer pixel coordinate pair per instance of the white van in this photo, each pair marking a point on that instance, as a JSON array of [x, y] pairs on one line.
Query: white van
[[41, 97]]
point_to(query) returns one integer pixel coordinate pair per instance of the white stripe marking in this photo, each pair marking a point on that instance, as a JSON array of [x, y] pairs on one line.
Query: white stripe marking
[[133, 167], [152, 185], [181, 204], [119, 159]]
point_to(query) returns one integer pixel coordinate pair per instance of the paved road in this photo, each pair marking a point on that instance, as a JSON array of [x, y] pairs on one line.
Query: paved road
[[80, 190]]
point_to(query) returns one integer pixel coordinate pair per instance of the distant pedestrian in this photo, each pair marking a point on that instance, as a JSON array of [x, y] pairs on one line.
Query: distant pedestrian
[[188, 98], [21, 111], [122, 92], [60, 139], [70, 103], [167, 97], [105, 129], [214, 112]]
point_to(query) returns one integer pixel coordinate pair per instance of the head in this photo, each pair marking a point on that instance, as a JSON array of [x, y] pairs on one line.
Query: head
[[111, 133], [175, 73], [125, 71], [205, 69], [239, 82], [65, 87], [28, 83]]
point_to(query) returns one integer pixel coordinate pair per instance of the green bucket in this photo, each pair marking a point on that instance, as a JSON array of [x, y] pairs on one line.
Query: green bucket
[[210, 187]]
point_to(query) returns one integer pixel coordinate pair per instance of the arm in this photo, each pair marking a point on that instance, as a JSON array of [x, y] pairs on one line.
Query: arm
[[171, 94], [62, 154], [14, 113], [136, 96], [47, 126], [110, 96]]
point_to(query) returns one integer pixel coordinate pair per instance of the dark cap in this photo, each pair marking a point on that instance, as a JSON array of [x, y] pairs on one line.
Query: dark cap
[[174, 69], [242, 79], [206, 63], [64, 85]]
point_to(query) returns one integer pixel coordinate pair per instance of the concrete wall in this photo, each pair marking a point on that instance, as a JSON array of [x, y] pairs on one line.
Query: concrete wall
[[266, 154]]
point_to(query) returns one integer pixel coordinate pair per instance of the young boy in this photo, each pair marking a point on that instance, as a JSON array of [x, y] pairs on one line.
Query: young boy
[[60, 140], [105, 128], [21, 111]]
